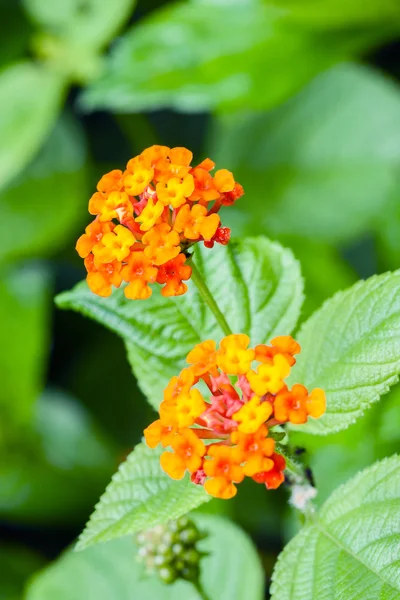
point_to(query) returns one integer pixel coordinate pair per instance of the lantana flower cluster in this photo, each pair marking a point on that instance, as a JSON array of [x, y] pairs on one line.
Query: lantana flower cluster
[[148, 216], [216, 416]]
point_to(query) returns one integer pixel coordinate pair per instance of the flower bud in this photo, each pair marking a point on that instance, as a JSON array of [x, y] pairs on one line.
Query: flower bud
[[170, 551]]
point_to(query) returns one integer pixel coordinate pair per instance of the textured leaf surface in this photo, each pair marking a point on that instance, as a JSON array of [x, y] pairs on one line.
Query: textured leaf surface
[[140, 496], [352, 551], [30, 227], [89, 24], [337, 457], [351, 349], [256, 283], [323, 165], [235, 55], [36, 95], [232, 571]]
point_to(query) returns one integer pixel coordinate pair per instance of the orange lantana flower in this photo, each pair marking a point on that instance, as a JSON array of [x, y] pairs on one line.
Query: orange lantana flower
[[224, 470], [296, 405], [233, 355], [234, 418], [188, 451], [173, 274], [160, 205]]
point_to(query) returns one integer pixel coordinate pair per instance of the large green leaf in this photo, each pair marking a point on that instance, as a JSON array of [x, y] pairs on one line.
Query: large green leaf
[[24, 304], [256, 283], [324, 165], [91, 24], [352, 549], [351, 349], [57, 469], [338, 456], [213, 54], [140, 495], [112, 571], [40, 208], [30, 98]]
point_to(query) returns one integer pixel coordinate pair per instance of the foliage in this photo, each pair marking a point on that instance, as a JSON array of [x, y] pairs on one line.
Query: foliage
[[225, 543], [300, 99], [59, 469], [159, 334], [24, 300], [218, 70], [59, 169], [140, 496], [347, 552], [351, 350], [346, 152], [24, 124]]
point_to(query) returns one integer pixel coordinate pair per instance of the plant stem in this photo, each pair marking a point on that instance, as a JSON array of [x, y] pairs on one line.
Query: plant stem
[[303, 492], [209, 299], [200, 590], [296, 469]]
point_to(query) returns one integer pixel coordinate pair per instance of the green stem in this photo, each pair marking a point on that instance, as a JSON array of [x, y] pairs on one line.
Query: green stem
[[307, 510], [209, 299], [200, 590], [295, 468]]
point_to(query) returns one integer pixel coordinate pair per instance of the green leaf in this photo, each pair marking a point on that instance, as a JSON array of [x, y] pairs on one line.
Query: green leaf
[[324, 165], [351, 349], [140, 496], [92, 23], [56, 180], [370, 439], [388, 431], [351, 550], [226, 48], [24, 304], [112, 571], [336, 13], [30, 98], [256, 283], [324, 270], [57, 469], [388, 232]]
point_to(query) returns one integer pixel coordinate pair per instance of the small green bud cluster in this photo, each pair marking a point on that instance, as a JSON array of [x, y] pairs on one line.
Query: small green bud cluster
[[170, 550]]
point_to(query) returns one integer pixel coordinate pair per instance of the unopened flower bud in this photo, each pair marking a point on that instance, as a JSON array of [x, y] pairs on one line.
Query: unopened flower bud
[[167, 575], [177, 549], [170, 550], [190, 535]]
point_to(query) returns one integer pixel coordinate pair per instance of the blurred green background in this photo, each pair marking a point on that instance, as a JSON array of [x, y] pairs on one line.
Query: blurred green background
[[299, 98]]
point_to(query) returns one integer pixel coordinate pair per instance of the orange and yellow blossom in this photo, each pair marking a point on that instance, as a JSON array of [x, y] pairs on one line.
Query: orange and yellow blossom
[[138, 272], [224, 470], [224, 436], [296, 405], [188, 452], [162, 206], [233, 355], [157, 433], [173, 273], [203, 358]]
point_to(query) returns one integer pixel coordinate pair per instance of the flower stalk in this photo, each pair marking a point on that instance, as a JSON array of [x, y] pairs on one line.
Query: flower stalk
[[209, 300]]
